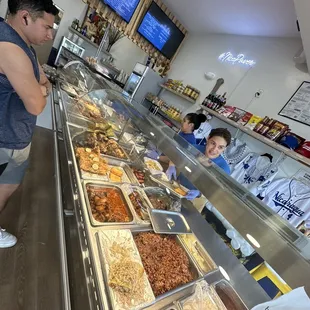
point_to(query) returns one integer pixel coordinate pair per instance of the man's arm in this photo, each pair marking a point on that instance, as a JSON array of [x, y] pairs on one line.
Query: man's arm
[[17, 67], [44, 80]]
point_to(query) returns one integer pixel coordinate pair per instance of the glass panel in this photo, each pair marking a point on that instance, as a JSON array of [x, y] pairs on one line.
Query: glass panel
[[123, 114]]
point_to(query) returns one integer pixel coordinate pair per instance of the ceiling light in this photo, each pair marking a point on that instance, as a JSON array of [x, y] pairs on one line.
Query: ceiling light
[[152, 134], [189, 170], [168, 191], [253, 241], [224, 273]]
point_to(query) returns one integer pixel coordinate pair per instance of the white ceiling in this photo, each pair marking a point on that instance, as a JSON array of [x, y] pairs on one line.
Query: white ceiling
[[272, 18]]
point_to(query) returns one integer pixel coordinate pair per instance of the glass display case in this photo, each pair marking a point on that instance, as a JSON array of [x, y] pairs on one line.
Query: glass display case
[[105, 137], [77, 79]]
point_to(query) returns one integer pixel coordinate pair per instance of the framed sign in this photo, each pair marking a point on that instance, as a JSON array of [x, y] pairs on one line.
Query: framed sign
[[298, 107]]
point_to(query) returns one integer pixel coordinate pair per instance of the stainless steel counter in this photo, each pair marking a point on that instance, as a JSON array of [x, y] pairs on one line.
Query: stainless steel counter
[[86, 283]]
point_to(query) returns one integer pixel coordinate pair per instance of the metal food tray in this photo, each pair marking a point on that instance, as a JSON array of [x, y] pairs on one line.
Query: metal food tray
[[148, 182], [105, 262], [128, 175], [65, 87], [153, 171], [169, 222], [183, 290], [124, 198], [171, 186], [127, 159], [202, 253], [70, 107], [128, 189], [234, 297], [80, 121], [74, 114], [176, 199], [219, 305]]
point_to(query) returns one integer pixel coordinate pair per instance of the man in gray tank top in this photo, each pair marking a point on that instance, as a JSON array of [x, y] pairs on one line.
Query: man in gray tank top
[[23, 90]]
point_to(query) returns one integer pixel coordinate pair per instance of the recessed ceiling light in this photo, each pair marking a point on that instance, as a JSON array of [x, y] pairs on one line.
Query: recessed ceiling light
[[189, 170], [253, 241]]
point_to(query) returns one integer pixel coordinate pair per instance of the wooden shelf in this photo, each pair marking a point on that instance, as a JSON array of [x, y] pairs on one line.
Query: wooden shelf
[[255, 135], [178, 94], [174, 122]]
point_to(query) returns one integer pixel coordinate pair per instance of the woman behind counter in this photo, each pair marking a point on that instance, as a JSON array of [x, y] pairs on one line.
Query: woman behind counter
[[191, 122], [217, 142], [202, 133]]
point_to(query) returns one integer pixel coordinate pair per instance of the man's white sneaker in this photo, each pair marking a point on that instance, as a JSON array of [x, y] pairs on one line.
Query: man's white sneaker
[[6, 239]]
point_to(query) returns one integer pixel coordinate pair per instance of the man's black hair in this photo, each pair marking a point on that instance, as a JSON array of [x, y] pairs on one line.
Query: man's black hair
[[221, 132], [35, 7]]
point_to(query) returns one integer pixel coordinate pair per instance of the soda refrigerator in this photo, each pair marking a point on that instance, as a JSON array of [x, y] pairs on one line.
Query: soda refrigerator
[[143, 80]]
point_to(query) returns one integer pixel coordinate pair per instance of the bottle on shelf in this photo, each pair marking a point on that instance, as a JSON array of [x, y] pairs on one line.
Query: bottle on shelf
[[224, 99], [217, 103], [210, 101], [204, 103], [213, 98], [189, 93], [193, 94], [214, 103]]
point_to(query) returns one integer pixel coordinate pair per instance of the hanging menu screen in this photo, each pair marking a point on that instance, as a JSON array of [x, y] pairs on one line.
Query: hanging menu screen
[[152, 29], [124, 8], [159, 30]]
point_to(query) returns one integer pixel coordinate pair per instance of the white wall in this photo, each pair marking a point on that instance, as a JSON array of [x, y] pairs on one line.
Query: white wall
[[72, 9], [127, 54], [275, 73], [3, 7]]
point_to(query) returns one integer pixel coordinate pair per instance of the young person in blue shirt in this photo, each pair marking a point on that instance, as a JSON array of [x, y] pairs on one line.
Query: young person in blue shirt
[[217, 142], [191, 122]]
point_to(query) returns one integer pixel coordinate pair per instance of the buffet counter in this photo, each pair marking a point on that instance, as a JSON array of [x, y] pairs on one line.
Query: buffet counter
[[107, 189], [114, 197]]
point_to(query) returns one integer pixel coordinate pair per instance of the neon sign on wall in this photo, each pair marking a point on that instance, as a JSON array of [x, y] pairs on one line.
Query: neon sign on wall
[[239, 59]]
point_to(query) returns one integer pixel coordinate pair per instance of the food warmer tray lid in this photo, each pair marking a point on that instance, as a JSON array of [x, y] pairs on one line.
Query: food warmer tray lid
[[168, 222]]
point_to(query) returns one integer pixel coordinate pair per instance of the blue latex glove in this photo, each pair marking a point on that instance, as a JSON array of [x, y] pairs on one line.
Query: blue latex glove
[[152, 154], [192, 194], [171, 173]]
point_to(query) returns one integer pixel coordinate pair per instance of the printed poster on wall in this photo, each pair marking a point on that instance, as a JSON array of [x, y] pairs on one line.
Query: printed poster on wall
[[298, 107]]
